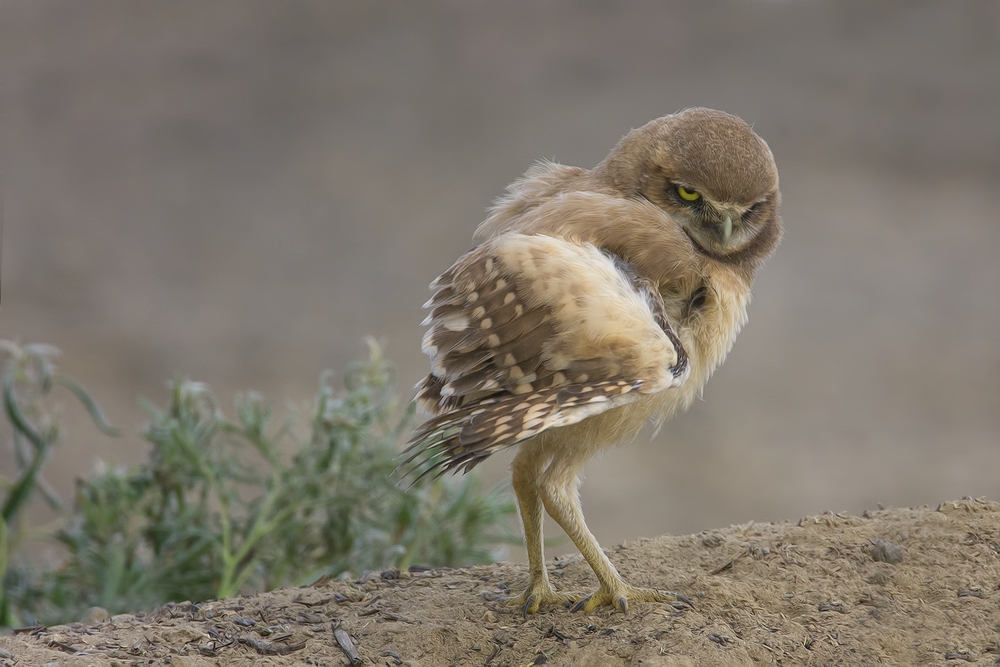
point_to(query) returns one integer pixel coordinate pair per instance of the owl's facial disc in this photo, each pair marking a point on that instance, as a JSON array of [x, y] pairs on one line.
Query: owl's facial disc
[[711, 174], [717, 228]]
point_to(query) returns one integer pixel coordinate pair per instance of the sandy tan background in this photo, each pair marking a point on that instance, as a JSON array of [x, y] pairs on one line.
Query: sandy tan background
[[239, 192]]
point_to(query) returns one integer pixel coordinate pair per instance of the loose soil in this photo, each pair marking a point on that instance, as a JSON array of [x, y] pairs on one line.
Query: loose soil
[[894, 587]]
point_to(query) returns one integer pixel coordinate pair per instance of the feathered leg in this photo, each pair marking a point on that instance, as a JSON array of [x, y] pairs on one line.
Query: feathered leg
[[558, 489], [525, 471]]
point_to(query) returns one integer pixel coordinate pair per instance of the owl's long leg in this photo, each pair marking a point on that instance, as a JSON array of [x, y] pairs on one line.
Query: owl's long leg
[[525, 470], [559, 493]]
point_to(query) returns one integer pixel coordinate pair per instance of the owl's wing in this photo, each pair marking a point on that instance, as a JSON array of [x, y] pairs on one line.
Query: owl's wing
[[531, 332]]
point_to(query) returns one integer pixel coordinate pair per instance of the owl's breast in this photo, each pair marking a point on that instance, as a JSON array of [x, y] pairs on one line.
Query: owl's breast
[[709, 316]]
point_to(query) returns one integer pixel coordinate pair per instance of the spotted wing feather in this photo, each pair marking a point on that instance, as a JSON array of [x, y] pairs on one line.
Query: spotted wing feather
[[530, 332]]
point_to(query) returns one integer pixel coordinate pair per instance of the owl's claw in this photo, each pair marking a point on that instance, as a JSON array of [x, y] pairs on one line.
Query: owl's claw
[[531, 600], [620, 597]]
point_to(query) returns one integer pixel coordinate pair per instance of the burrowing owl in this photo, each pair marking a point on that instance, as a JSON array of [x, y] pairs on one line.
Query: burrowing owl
[[596, 300]]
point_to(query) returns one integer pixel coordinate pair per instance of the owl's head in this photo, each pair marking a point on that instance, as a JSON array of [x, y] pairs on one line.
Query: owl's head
[[712, 174]]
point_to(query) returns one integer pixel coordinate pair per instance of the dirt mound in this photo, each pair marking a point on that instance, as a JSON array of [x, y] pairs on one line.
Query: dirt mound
[[905, 586]]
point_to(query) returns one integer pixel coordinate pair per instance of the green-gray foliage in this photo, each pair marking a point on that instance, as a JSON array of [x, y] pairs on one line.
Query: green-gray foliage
[[227, 506], [28, 377]]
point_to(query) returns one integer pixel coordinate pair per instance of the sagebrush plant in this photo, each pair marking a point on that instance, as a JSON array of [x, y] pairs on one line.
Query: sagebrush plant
[[223, 507], [28, 377]]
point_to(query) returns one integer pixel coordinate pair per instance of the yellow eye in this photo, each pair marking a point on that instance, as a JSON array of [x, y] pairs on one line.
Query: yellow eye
[[687, 195]]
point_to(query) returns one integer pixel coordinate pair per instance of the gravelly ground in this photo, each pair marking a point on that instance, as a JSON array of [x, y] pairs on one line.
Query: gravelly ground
[[893, 587]]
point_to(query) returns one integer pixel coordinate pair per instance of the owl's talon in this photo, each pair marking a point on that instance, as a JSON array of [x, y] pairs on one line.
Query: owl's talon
[[620, 597], [535, 597]]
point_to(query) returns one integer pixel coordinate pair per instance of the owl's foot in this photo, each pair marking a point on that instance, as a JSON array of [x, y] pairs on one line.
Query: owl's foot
[[620, 596], [541, 594]]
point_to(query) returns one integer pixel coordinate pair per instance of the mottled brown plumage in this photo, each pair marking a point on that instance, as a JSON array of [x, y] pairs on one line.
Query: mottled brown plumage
[[596, 300]]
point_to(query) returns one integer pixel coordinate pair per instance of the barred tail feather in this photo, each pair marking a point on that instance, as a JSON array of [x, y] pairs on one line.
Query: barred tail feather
[[461, 439]]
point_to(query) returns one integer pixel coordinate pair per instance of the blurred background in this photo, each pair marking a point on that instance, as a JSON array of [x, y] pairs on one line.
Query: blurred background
[[238, 192]]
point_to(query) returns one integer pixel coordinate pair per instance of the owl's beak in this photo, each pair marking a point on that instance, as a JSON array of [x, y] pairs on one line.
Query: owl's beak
[[721, 228], [727, 228]]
